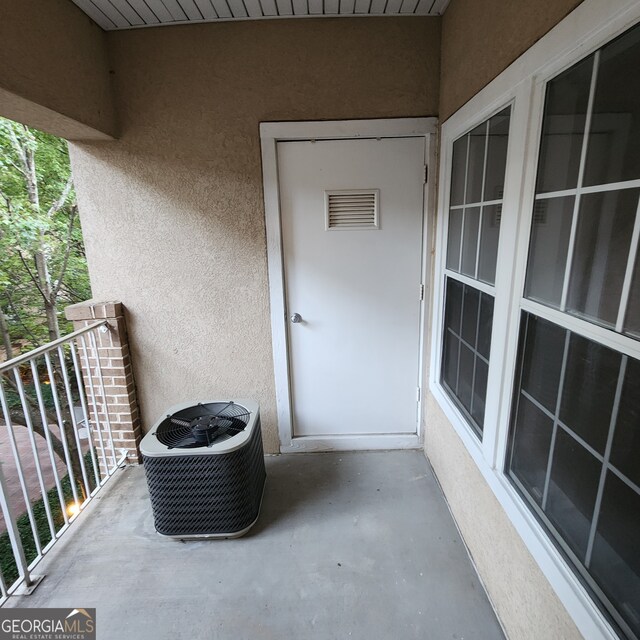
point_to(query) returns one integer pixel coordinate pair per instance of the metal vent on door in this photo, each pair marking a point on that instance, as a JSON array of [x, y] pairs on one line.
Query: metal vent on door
[[352, 209]]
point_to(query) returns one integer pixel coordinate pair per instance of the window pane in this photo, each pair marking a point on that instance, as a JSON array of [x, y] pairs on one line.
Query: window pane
[[466, 345], [605, 225], [453, 239], [465, 377], [484, 325], [632, 317], [450, 360], [490, 233], [565, 112], [625, 451], [458, 169], [589, 390], [470, 315], [530, 450], [614, 141], [497, 155], [479, 392], [543, 354], [452, 323], [453, 305], [615, 562], [573, 487], [475, 168], [470, 241], [550, 233], [478, 158]]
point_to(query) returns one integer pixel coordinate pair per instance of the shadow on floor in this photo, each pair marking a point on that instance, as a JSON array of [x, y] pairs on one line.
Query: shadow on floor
[[293, 486]]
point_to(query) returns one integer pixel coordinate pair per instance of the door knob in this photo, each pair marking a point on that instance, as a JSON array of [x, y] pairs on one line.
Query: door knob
[[295, 318]]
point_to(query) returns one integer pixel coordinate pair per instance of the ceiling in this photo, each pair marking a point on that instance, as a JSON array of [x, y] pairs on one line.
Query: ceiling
[[127, 14]]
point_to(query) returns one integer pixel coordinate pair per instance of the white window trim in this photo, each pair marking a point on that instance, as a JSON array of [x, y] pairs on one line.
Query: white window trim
[[591, 25]]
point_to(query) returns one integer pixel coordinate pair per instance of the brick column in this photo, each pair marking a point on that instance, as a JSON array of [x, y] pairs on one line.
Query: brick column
[[117, 376]]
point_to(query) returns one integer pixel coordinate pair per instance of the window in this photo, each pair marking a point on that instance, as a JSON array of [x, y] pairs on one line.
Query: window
[[536, 358], [574, 447], [574, 452], [477, 185], [467, 340]]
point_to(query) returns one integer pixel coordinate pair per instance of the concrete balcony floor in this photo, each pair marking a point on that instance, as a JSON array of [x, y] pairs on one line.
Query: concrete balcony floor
[[357, 546]]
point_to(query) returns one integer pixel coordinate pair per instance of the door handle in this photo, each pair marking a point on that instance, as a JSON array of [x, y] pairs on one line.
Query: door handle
[[296, 318]]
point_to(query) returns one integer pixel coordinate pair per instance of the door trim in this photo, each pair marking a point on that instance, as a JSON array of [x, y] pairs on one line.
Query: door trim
[[270, 134]]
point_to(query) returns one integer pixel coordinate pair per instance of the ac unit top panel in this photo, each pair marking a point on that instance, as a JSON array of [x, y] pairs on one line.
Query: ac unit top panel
[[151, 447]]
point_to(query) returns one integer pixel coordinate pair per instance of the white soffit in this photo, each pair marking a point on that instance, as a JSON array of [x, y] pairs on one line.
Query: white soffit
[[126, 14]]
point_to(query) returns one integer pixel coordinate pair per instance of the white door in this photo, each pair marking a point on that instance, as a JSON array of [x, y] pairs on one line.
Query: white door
[[352, 220]]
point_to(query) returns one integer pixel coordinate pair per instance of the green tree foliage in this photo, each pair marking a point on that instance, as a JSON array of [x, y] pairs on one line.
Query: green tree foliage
[[42, 267], [42, 260]]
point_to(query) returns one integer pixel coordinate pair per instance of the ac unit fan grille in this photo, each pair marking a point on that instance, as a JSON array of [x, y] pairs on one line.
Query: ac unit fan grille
[[202, 425]]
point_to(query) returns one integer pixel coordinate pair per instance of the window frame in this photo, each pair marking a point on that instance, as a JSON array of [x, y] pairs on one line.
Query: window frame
[[473, 282], [522, 85]]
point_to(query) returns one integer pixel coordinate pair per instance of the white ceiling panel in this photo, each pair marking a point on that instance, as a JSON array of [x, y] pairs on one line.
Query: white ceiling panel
[[160, 11], [222, 8], [206, 9], [409, 6], [126, 10], [393, 7], [362, 6], [109, 10], [424, 7], [347, 6], [238, 10], [285, 8], [127, 14], [254, 8], [173, 6], [316, 7], [144, 11], [191, 10], [269, 7], [300, 7]]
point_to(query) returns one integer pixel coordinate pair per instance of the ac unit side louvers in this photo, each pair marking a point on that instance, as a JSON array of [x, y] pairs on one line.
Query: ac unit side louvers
[[205, 470], [352, 209]]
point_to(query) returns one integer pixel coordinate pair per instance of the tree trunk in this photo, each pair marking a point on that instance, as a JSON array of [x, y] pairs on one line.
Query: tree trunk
[[6, 338], [47, 295]]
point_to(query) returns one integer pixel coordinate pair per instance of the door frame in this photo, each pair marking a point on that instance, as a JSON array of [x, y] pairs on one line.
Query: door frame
[[270, 134]]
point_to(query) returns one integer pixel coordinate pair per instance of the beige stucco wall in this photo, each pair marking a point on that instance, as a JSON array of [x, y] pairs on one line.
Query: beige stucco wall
[[172, 212], [481, 38], [523, 598], [54, 71]]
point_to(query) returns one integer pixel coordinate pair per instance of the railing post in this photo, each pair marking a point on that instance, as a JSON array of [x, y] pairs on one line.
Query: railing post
[[115, 394], [14, 534]]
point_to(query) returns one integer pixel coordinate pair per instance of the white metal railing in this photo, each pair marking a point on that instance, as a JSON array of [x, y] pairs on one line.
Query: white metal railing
[[59, 449]]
